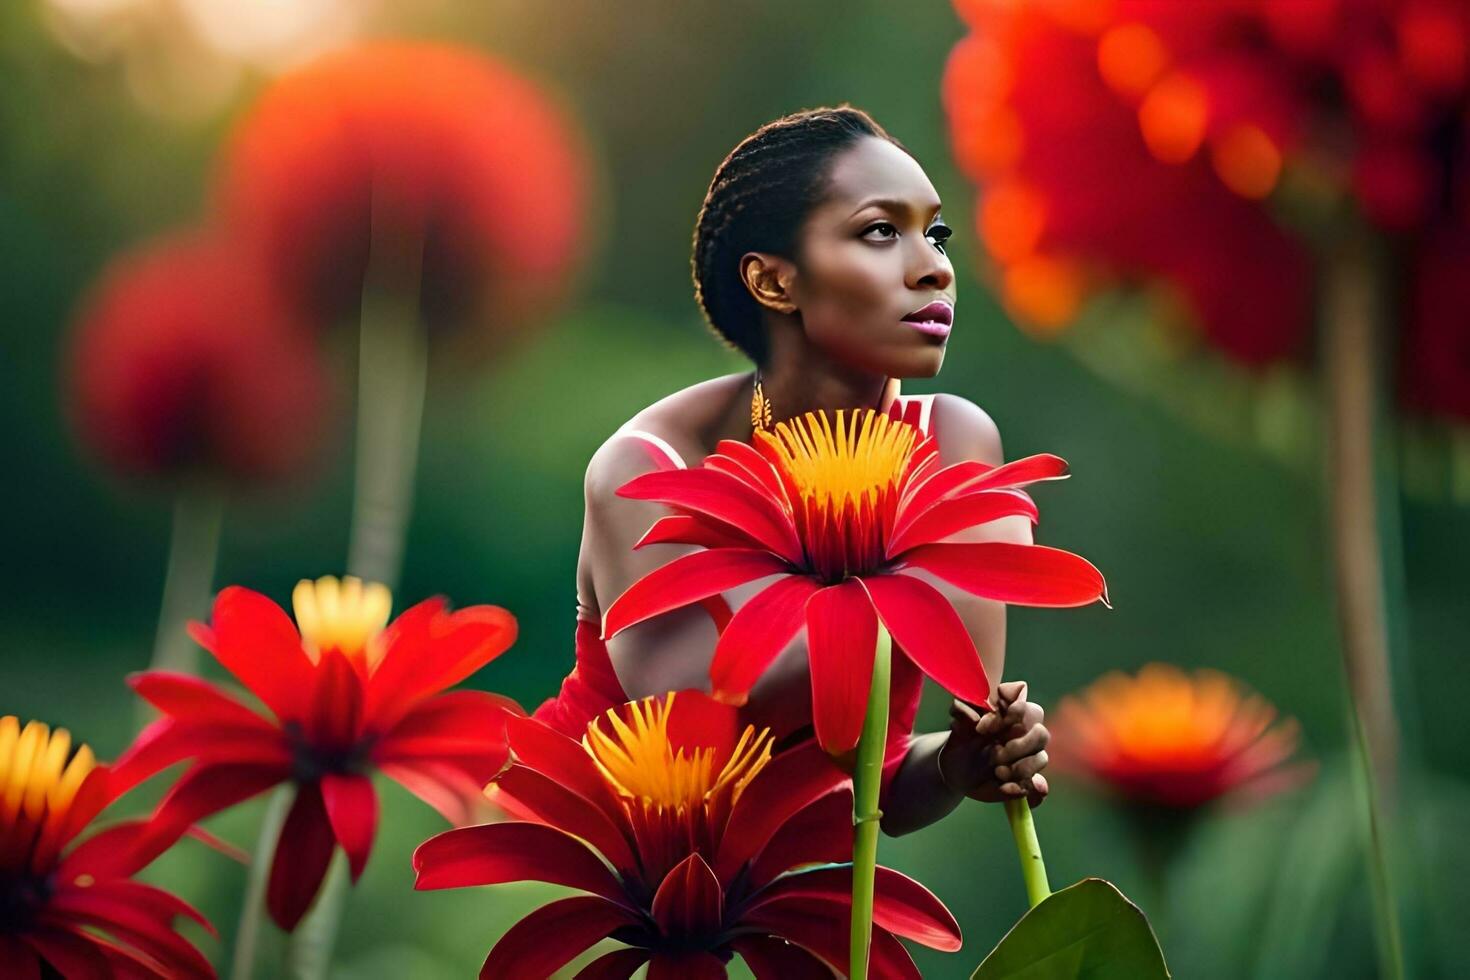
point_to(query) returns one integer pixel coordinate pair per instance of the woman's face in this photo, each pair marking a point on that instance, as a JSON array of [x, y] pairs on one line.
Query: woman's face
[[873, 285]]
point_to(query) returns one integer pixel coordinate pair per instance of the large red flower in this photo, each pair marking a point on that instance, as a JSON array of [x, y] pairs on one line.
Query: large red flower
[[1145, 140], [348, 696], [465, 176], [185, 362], [843, 514], [75, 910], [1165, 738], [692, 845]]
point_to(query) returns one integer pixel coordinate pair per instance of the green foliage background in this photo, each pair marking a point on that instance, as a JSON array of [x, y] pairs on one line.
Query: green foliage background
[[1214, 552]]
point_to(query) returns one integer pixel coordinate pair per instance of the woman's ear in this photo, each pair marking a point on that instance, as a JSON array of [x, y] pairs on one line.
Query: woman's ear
[[768, 278]]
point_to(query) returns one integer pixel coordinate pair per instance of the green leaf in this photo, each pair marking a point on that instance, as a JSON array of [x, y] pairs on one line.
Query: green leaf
[[1085, 930]]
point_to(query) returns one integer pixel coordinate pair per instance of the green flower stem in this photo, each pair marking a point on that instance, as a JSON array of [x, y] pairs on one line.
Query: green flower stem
[[310, 952], [1033, 868], [189, 580], [1353, 359], [867, 779], [247, 933]]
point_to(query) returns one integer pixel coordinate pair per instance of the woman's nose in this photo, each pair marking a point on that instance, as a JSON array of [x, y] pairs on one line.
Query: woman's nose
[[930, 269]]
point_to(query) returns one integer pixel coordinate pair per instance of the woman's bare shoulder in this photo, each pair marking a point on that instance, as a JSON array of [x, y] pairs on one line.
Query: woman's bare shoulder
[[674, 419], [965, 430]]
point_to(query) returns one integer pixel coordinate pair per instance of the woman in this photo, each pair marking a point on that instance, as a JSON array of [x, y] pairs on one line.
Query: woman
[[819, 253]]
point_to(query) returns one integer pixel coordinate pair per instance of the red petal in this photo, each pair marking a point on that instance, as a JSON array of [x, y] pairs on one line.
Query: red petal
[[759, 631], [900, 904], [724, 498], [741, 458], [689, 902], [257, 642], [537, 746], [193, 700], [552, 936], [820, 834], [302, 855], [537, 797], [444, 786], [823, 930], [842, 633], [463, 727], [697, 965], [335, 709], [930, 633], [1024, 574], [352, 807], [685, 580], [131, 925], [772, 958], [684, 529], [74, 957], [958, 514], [135, 895], [493, 854], [620, 964], [971, 475], [788, 784], [433, 650], [167, 741], [697, 721]]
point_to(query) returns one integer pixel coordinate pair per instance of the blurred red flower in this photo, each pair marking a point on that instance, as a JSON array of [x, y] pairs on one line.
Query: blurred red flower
[[183, 362], [78, 913], [842, 513], [1165, 738], [351, 694], [463, 174], [693, 845], [1143, 140]]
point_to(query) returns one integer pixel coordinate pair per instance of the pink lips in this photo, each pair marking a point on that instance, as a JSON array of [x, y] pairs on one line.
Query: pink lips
[[936, 319]]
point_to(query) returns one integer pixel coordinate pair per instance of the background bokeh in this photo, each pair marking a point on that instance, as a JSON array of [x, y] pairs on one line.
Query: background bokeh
[[1214, 551]]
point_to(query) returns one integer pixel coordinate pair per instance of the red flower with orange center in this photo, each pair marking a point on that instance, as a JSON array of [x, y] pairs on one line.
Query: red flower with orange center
[[845, 512], [1165, 738], [463, 175], [1147, 140], [183, 363], [350, 694], [74, 910], [693, 845]]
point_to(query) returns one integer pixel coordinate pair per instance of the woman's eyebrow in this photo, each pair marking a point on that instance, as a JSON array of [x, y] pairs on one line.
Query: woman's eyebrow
[[894, 205]]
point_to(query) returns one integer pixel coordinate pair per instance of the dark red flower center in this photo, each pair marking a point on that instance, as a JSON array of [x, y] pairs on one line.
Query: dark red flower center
[[21, 897], [310, 761]]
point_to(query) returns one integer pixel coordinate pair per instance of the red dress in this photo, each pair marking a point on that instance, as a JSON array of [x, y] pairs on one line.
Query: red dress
[[593, 686]]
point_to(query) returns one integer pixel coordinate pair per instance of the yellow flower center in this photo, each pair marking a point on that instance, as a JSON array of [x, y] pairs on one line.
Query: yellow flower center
[[844, 477], [638, 761], [39, 779], [347, 616]]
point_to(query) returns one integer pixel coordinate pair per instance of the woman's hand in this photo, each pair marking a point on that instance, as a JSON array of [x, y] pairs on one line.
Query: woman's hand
[[999, 755]]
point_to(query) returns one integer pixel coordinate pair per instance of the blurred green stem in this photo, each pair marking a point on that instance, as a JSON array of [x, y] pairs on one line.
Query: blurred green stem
[[189, 580], [1351, 355], [310, 952], [247, 934], [867, 780], [1033, 868]]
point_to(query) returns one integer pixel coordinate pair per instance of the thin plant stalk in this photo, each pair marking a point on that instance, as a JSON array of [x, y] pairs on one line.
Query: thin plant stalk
[[867, 779], [1351, 353], [1028, 848], [247, 933], [393, 367], [188, 581]]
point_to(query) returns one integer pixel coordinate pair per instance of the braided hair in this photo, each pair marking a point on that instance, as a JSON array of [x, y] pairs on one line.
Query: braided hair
[[760, 195]]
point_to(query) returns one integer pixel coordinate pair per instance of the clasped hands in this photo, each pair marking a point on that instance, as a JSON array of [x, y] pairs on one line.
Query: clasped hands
[[997, 755]]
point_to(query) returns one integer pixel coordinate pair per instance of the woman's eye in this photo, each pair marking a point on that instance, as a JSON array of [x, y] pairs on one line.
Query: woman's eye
[[938, 235], [880, 231]]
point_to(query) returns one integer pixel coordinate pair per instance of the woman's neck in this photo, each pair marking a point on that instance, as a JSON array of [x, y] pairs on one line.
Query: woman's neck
[[798, 378]]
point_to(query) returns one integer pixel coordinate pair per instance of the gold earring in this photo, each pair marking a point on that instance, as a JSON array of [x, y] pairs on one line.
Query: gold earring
[[760, 407]]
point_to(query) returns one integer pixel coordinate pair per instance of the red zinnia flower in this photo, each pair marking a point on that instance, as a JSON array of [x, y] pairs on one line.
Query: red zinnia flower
[[1141, 139], [350, 696], [844, 514], [463, 172], [1167, 739], [184, 362], [78, 914], [693, 845]]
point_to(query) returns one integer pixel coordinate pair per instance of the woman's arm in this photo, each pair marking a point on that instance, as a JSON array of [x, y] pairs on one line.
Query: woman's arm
[[669, 652]]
